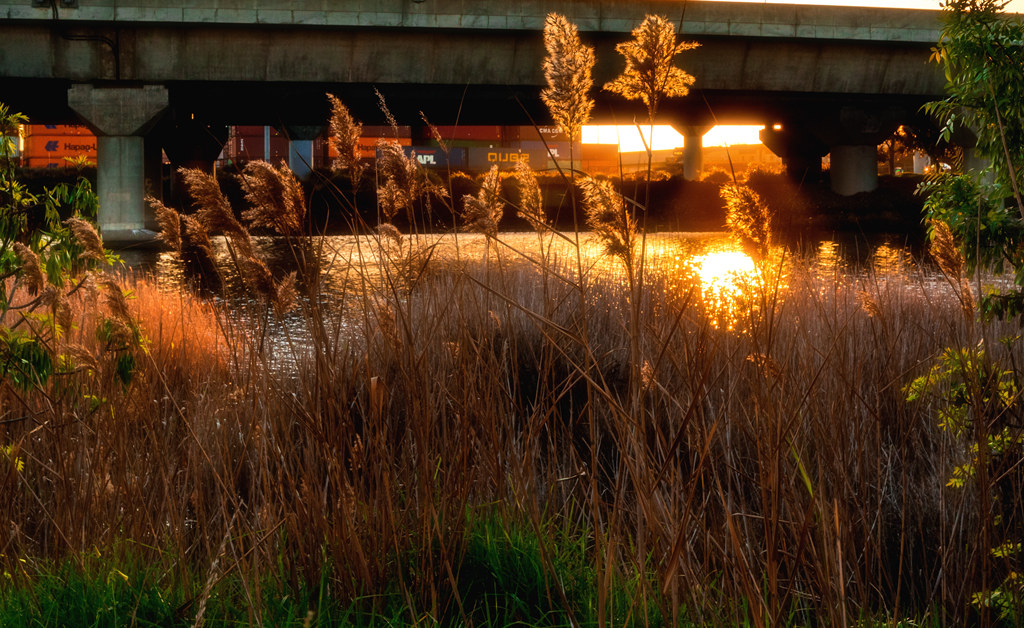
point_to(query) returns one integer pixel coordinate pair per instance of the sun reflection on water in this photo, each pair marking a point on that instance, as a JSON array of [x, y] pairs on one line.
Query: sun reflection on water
[[728, 278]]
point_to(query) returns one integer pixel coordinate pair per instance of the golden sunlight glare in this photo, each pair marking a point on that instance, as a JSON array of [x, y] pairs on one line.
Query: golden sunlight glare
[[722, 271], [629, 138]]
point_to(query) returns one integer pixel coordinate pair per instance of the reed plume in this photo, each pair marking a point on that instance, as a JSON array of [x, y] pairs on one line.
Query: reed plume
[[344, 138], [650, 74], [391, 197], [435, 133], [390, 232], [275, 198], [951, 262], [86, 235], [256, 276], [387, 112], [567, 69], [285, 294], [608, 217], [116, 301], [483, 212], [403, 181], [31, 270], [748, 219], [396, 167], [169, 221], [214, 212], [531, 205], [213, 209], [197, 252]]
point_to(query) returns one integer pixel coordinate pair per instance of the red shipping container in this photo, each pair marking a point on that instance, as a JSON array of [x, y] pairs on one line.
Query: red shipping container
[[484, 133], [247, 147], [546, 133], [387, 131]]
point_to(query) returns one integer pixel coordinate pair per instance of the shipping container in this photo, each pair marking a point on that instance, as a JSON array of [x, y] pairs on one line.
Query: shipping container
[[368, 145], [477, 133], [433, 157], [557, 150], [46, 162], [54, 148], [387, 131], [481, 159], [249, 143], [599, 159], [534, 134], [57, 129]]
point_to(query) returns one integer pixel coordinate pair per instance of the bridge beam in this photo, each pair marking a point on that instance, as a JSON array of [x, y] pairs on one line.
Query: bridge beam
[[120, 117], [190, 142], [800, 149]]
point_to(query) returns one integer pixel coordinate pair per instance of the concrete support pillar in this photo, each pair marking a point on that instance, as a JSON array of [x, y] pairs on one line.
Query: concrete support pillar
[[300, 148], [190, 143], [120, 117], [800, 149], [854, 169], [153, 154], [693, 150]]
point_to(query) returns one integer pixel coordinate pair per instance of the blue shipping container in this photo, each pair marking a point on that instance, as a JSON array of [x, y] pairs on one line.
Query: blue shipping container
[[434, 157]]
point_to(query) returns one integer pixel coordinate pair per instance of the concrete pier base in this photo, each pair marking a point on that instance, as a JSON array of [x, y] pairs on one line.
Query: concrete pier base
[[120, 117], [854, 169], [800, 149], [190, 143], [300, 149]]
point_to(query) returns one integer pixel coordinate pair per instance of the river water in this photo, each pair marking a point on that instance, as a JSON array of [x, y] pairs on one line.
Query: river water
[[710, 251], [352, 263]]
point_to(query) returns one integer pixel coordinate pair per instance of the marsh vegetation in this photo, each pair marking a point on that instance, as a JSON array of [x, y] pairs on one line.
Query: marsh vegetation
[[573, 431]]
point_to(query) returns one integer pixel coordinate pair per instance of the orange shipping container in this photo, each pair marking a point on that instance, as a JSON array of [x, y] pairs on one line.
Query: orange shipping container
[[46, 162], [56, 147], [57, 129], [368, 146]]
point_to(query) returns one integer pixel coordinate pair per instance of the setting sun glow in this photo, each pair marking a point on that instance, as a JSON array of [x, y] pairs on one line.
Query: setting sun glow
[[726, 276], [665, 137]]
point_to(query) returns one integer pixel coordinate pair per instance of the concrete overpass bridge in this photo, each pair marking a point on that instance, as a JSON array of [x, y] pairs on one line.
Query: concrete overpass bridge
[[148, 75]]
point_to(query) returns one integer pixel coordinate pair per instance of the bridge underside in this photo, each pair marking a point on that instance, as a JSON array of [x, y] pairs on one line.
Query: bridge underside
[[290, 103], [824, 95]]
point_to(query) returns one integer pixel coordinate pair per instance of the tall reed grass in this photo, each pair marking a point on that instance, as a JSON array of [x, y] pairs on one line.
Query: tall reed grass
[[541, 440], [772, 473]]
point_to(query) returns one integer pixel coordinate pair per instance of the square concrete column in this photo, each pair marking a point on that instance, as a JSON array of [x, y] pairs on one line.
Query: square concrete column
[[854, 169], [693, 150], [300, 148], [120, 117]]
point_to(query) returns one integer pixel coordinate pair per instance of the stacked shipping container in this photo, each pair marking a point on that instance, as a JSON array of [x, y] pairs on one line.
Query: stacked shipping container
[[469, 148], [52, 145]]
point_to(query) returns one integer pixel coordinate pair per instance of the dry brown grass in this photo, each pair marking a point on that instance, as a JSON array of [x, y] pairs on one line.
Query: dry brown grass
[[777, 462]]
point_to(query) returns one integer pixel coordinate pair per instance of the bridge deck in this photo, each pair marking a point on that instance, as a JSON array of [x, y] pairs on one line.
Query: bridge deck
[[698, 18]]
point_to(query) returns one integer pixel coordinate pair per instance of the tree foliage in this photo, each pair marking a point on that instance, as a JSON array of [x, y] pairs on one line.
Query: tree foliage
[[982, 55], [43, 260]]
